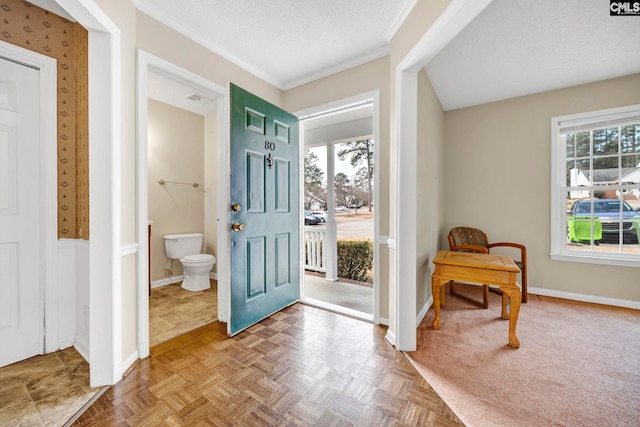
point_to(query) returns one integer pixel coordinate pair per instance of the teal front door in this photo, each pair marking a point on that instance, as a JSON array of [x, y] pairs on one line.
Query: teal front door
[[264, 207]]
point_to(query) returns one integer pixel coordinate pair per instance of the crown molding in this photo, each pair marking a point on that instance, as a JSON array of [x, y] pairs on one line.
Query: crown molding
[[170, 22], [400, 18], [343, 66]]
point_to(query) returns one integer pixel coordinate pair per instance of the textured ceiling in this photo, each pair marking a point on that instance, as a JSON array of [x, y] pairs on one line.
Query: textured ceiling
[[520, 47], [286, 42], [512, 48]]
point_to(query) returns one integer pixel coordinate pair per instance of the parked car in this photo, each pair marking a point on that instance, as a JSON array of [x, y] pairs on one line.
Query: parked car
[[320, 214], [340, 208], [310, 219], [607, 212]]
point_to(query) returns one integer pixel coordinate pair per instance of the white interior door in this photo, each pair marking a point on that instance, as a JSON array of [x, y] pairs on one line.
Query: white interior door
[[21, 306]]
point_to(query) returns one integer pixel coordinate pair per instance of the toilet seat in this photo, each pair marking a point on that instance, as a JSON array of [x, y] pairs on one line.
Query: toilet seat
[[200, 258]]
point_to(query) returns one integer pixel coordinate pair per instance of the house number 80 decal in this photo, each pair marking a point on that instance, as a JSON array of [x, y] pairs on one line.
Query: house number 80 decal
[[270, 145]]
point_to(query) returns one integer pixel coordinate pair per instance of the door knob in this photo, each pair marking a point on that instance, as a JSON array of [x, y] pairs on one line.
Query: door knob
[[236, 207], [237, 226]]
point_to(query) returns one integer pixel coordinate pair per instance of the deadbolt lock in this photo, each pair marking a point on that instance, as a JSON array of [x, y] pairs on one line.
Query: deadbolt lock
[[236, 207], [237, 226]]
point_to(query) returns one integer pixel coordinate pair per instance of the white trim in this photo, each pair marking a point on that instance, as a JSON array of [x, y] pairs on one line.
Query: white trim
[[377, 240], [402, 16], [142, 204], [390, 337], [452, 20], [337, 309], [423, 311], [559, 250], [82, 346], [47, 186], [104, 189], [224, 212], [167, 281], [621, 260], [128, 249], [126, 364], [406, 192], [213, 275], [328, 71], [585, 298], [391, 244], [148, 62], [170, 21]]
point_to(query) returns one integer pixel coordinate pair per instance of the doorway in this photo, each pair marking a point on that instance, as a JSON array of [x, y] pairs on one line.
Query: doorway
[[172, 104], [180, 142], [341, 188]]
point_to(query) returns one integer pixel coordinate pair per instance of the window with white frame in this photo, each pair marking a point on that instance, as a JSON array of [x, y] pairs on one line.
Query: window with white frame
[[595, 194]]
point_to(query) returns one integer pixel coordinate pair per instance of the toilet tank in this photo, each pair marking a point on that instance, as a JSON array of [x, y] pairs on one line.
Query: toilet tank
[[180, 245]]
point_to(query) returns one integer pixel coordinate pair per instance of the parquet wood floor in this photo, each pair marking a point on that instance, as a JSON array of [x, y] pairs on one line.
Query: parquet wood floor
[[301, 366]]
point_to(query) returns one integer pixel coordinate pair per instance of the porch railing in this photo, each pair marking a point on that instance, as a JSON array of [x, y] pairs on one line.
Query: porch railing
[[314, 255]]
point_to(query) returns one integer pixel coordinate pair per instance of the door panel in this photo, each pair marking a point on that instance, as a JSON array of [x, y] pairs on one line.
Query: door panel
[[264, 183], [21, 313], [255, 177], [282, 186]]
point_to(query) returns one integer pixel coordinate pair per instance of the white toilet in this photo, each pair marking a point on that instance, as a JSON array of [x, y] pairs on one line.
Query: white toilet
[[196, 266]]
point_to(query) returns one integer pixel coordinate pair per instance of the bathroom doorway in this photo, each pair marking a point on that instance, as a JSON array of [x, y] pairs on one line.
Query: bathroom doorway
[[178, 168]]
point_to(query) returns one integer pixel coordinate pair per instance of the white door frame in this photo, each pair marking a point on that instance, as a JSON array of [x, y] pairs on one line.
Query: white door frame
[[453, 20], [148, 62], [105, 281], [377, 239], [47, 186]]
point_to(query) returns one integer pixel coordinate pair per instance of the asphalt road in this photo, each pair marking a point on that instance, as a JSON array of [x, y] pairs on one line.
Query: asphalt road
[[352, 227]]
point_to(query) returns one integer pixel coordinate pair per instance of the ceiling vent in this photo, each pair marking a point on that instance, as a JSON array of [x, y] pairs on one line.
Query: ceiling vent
[[198, 98]]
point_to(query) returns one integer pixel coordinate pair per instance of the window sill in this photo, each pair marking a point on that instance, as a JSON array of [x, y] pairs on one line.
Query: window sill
[[606, 259]]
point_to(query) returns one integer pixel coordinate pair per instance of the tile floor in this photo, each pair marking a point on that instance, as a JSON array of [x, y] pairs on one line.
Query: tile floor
[[354, 296], [44, 390], [174, 311]]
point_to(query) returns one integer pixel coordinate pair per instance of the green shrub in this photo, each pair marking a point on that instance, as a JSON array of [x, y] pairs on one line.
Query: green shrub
[[355, 259]]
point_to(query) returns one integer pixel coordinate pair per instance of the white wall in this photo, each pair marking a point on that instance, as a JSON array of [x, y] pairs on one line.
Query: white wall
[[73, 295], [211, 181]]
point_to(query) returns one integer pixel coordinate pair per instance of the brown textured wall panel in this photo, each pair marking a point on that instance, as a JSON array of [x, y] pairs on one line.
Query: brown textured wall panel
[[38, 30], [82, 133]]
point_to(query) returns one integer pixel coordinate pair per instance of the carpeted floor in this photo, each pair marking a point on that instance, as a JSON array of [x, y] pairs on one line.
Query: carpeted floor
[[578, 363]]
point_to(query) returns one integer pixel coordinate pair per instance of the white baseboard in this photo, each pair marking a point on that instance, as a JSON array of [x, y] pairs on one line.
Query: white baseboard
[[556, 294], [391, 337], [167, 281], [423, 311], [82, 346], [66, 342], [383, 321], [584, 298], [128, 362], [176, 279]]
